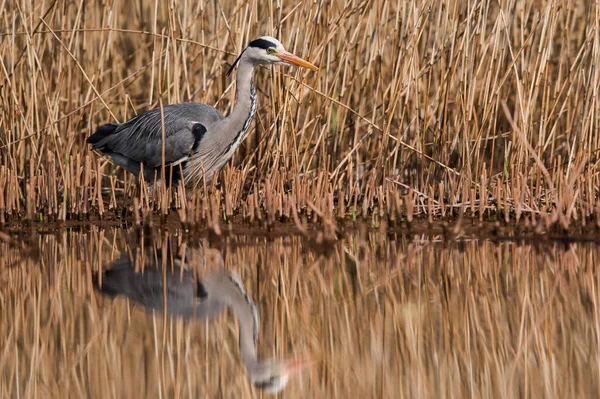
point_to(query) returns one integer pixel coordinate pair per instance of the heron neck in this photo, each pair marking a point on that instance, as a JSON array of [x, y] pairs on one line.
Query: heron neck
[[245, 106], [246, 337], [244, 93], [234, 295]]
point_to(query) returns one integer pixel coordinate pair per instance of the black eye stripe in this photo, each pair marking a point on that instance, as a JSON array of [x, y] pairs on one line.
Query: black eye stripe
[[262, 43], [258, 43], [266, 384], [262, 384]]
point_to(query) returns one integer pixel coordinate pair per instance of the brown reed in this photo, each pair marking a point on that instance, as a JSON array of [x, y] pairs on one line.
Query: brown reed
[[420, 108]]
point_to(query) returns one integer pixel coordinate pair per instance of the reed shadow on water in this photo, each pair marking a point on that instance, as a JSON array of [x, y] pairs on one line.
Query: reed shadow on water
[[381, 316]]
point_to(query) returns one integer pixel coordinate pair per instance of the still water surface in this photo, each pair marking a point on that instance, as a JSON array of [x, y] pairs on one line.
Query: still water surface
[[379, 315]]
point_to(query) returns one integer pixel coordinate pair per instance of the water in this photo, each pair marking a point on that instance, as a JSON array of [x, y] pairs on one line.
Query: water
[[379, 314]]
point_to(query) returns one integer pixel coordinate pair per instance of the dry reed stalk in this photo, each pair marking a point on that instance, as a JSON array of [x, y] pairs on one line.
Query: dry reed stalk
[[442, 98]]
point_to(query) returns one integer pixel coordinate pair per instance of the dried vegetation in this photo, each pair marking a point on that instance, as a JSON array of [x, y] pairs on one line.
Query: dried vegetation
[[483, 108]]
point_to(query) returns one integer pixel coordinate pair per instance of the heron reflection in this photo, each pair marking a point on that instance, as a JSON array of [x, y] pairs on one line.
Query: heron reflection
[[186, 296]]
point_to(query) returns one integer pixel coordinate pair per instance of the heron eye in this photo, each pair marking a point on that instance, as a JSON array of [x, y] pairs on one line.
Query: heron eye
[[270, 51]]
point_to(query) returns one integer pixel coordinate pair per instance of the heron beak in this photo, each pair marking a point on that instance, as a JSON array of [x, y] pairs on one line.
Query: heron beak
[[295, 60], [297, 365]]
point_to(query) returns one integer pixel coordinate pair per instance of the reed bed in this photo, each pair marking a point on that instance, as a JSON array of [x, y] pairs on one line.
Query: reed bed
[[462, 319], [420, 108]]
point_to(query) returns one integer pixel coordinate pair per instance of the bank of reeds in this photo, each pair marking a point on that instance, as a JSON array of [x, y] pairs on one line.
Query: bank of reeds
[[482, 108]]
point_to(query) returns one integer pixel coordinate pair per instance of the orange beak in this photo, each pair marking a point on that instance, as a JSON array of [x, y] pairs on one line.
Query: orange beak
[[295, 60], [297, 365]]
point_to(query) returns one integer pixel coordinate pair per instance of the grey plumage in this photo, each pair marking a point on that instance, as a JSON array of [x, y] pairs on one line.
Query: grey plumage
[[186, 297], [198, 140], [139, 140]]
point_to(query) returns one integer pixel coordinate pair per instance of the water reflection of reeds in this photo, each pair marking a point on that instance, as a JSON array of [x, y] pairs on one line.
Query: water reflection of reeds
[[393, 317]]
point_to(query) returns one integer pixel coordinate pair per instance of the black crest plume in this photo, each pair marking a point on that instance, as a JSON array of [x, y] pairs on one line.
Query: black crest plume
[[258, 43]]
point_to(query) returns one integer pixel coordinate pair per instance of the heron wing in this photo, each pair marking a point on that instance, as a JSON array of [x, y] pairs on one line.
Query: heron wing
[[148, 287], [140, 138]]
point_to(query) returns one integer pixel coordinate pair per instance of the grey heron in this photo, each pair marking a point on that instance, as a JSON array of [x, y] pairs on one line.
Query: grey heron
[[199, 141], [204, 300]]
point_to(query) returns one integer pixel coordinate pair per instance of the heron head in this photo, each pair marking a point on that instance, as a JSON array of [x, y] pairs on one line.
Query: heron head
[[268, 50], [273, 377]]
